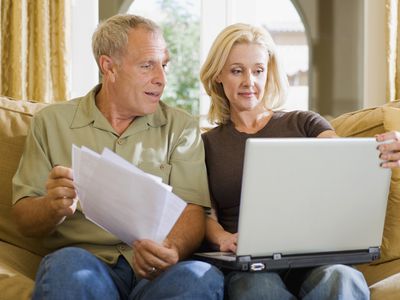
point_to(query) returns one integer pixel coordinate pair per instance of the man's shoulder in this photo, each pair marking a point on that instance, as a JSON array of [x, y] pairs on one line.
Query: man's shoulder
[[176, 116], [60, 108], [174, 111]]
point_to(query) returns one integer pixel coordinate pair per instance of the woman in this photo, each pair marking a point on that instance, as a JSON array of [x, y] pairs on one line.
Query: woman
[[246, 83]]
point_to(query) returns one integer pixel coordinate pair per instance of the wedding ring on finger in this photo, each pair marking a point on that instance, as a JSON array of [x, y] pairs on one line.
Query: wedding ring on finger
[[152, 270]]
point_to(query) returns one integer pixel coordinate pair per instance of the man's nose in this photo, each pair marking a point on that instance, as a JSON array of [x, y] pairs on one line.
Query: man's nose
[[160, 77]]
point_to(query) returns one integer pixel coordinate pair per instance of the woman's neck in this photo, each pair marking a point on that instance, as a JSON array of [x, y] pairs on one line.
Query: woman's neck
[[251, 122]]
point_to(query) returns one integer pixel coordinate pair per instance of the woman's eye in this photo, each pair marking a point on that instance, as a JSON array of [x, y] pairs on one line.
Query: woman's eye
[[236, 71]]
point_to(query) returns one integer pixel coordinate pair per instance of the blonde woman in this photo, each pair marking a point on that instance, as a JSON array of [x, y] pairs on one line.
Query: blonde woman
[[247, 85]]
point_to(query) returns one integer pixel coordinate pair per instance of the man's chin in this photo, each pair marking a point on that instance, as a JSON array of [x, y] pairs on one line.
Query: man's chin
[[152, 108]]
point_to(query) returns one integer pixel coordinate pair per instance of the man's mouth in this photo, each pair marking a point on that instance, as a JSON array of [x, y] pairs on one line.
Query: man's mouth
[[153, 94]]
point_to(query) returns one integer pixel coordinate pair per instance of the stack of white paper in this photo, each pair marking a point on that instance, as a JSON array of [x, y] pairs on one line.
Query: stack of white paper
[[121, 198]]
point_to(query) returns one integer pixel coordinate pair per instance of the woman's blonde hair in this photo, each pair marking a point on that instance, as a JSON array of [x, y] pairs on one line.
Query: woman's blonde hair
[[276, 85], [111, 36]]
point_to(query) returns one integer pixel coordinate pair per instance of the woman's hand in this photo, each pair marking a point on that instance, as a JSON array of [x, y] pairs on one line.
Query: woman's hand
[[228, 242], [390, 151]]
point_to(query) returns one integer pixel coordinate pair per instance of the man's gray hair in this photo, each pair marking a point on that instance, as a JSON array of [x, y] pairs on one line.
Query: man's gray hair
[[111, 36]]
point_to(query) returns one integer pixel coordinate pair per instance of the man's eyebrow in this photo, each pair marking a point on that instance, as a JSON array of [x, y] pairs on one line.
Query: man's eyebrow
[[167, 57]]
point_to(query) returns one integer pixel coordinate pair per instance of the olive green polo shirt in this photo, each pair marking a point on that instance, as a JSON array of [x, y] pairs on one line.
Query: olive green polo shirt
[[166, 143]]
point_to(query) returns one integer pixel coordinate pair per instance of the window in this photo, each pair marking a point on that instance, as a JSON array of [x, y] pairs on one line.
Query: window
[[332, 50]]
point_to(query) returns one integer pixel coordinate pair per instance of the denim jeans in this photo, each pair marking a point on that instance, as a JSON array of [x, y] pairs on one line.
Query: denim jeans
[[74, 273], [326, 282]]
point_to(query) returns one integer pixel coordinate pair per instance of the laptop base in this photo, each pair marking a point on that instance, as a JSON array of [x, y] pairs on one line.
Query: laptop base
[[277, 261]]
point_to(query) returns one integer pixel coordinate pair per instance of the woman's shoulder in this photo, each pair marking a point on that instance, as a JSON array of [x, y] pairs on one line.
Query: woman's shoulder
[[212, 132], [296, 115]]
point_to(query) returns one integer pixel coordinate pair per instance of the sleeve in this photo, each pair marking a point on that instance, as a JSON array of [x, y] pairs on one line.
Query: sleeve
[[314, 124], [188, 173], [34, 166]]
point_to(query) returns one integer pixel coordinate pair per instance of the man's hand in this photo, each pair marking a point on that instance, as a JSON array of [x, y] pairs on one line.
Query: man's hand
[[390, 151], [61, 194], [150, 259], [39, 216]]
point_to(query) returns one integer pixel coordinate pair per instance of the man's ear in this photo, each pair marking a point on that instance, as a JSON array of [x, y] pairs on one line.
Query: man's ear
[[107, 67]]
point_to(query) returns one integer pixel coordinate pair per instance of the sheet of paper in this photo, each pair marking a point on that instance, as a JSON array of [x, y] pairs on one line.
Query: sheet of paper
[[123, 199]]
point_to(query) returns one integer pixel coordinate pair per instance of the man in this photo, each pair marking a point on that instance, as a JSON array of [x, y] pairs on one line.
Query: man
[[125, 114]]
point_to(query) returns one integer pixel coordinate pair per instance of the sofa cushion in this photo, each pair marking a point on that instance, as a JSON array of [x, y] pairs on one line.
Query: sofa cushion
[[383, 279], [17, 272], [387, 289], [15, 116], [367, 123]]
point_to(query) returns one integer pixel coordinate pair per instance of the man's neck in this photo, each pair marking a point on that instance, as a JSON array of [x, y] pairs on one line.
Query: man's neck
[[110, 111]]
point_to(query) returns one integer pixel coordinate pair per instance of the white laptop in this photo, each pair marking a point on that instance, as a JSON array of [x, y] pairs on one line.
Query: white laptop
[[307, 202]]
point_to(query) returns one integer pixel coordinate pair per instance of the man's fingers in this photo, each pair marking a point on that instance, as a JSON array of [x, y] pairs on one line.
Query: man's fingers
[[150, 249], [61, 192], [61, 172], [51, 183]]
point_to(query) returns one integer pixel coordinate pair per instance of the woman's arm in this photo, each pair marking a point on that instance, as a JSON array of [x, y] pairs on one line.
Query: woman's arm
[[216, 234], [327, 134]]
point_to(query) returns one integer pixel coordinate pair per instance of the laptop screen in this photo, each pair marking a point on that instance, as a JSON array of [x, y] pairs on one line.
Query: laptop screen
[[309, 195]]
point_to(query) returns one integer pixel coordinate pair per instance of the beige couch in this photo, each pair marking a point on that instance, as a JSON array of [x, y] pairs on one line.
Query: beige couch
[[20, 256]]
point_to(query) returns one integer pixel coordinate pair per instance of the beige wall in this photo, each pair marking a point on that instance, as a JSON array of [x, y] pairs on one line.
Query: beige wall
[[336, 64], [108, 8], [347, 65]]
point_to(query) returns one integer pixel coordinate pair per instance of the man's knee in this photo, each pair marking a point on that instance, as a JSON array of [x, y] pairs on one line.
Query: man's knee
[[200, 272]]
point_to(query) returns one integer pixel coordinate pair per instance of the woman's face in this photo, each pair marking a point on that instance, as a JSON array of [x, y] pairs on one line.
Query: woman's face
[[244, 76]]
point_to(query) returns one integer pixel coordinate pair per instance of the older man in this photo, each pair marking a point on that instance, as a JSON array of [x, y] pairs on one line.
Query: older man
[[125, 114]]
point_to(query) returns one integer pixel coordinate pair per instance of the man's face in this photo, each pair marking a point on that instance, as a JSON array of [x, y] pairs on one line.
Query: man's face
[[140, 77]]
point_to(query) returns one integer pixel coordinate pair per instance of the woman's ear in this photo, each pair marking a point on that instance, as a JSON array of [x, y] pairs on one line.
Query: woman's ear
[[218, 78]]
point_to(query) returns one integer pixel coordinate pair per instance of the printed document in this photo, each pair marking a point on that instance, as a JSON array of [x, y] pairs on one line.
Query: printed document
[[121, 198]]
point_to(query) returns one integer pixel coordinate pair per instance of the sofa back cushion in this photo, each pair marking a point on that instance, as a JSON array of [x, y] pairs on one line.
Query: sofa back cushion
[[15, 117], [367, 123]]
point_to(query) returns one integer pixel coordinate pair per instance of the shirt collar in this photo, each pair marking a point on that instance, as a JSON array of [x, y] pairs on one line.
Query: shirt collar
[[87, 113]]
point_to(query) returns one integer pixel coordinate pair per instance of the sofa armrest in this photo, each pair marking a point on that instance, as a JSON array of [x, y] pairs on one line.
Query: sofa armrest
[[17, 271]]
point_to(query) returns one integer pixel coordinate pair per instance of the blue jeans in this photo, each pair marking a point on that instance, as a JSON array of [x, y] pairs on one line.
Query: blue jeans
[[325, 282], [74, 273]]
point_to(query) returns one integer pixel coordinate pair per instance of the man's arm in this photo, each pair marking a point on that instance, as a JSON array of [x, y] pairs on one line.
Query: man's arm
[[188, 232], [39, 216]]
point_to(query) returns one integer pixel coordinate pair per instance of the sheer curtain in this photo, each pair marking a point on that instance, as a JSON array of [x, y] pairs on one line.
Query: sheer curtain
[[33, 49], [392, 50]]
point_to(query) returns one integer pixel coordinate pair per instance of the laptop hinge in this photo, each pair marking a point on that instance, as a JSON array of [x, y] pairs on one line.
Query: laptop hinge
[[244, 258], [374, 250], [276, 256]]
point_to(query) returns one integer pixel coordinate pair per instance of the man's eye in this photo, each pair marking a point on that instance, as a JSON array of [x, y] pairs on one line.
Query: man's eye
[[165, 67], [146, 66]]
